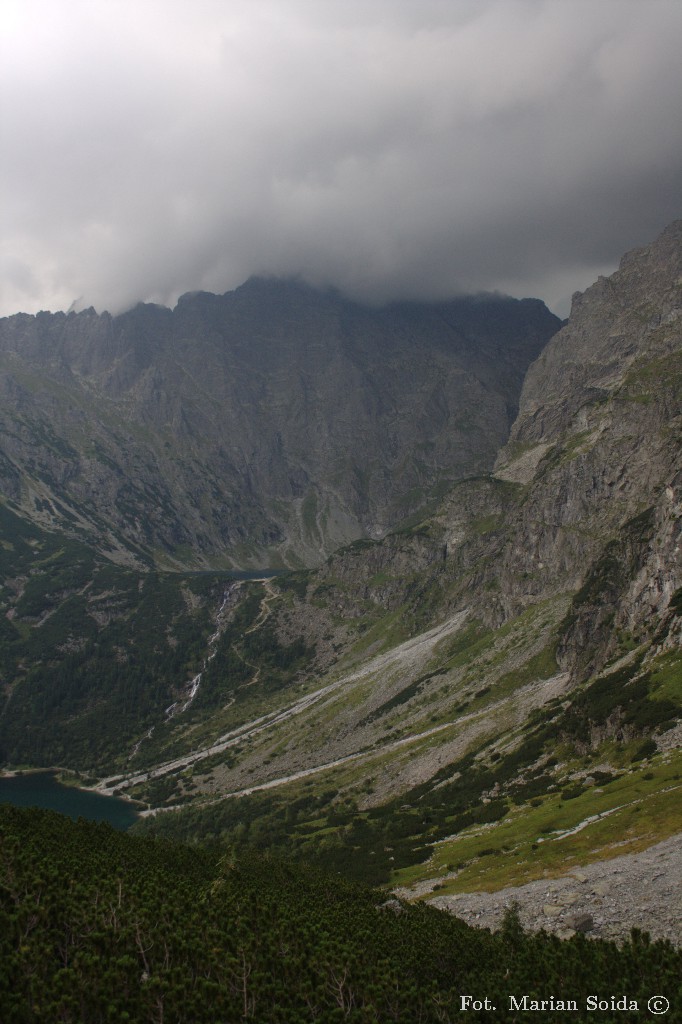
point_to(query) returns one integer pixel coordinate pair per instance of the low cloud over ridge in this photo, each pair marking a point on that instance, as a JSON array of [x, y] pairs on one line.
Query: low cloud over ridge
[[390, 148]]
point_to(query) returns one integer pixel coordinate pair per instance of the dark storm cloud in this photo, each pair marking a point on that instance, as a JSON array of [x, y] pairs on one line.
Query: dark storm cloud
[[393, 148]]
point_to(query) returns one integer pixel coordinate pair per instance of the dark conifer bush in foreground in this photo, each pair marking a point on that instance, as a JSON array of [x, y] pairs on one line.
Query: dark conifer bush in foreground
[[98, 926]]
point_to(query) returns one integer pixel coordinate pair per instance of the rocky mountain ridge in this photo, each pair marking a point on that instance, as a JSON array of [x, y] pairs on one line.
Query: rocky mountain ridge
[[267, 426]]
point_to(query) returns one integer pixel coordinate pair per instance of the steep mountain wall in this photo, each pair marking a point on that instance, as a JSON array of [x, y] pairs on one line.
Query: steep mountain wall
[[264, 426], [595, 451], [584, 500]]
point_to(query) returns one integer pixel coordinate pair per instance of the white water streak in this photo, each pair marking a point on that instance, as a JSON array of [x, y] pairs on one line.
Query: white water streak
[[178, 706]]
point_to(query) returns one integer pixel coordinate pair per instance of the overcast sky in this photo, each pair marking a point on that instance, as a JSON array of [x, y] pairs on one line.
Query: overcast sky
[[391, 148]]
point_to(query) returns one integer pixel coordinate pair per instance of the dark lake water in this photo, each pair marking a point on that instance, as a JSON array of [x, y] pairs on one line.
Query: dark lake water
[[41, 789]]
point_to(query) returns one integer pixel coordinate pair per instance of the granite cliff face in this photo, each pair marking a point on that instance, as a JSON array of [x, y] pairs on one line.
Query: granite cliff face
[[596, 448], [265, 426]]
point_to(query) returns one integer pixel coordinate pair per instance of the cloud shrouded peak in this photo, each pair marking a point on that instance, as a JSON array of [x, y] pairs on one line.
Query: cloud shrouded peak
[[391, 149]]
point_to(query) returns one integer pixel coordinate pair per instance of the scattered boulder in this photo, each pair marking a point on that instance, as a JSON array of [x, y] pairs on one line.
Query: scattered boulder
[[580, 922], [395, 906]]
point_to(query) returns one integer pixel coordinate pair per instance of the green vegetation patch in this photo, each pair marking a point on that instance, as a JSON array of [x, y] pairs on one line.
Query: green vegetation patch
[[94, 652], [666, 678], [624, 696], [249, 652], [97, 926], [566, 829], [542, 665], [401, 697]]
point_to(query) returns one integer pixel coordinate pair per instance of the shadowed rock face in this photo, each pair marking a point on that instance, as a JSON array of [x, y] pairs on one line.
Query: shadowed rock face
[[584, 499], [597, 447], [615, 325], [265, 426]]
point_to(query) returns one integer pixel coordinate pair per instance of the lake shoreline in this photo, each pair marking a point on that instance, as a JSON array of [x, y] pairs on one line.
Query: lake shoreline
[[68, 777], [62, 790]]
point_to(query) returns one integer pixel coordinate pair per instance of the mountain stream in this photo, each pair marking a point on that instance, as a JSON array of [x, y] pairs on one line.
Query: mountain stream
[[183, 703]]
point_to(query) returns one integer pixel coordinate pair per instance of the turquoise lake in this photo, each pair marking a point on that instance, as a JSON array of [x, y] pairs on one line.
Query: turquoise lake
[[41, 789]]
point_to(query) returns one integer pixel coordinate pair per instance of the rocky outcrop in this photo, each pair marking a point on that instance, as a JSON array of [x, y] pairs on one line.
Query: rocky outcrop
[[603, 407], [606, 899], [619, 326]]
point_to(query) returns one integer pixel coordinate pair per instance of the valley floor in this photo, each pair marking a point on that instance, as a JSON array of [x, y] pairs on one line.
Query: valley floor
[[606, 898]]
